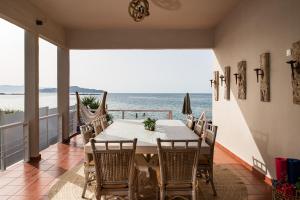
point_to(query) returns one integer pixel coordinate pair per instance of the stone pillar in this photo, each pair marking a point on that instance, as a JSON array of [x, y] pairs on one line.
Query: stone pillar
[[63, 83], [32, 92]]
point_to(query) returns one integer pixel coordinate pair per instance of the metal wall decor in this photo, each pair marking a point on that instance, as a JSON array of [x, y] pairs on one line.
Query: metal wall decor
[[242, 80], [264, 73], [138, 9]]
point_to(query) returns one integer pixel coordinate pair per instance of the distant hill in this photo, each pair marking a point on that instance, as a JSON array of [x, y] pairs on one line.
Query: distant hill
[[11, 89], [14, 89], [73, 89]]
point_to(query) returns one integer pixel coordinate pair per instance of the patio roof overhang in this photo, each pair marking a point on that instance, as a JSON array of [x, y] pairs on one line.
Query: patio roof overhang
[[103, 24]]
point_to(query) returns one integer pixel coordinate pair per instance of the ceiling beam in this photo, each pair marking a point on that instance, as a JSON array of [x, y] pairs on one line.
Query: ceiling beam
[[140, 39]]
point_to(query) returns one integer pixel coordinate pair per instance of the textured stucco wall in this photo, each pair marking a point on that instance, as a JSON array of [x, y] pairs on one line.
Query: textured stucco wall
[[250, 128]]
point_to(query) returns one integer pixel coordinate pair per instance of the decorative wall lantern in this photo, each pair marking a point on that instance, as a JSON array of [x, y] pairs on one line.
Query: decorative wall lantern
[[226, 79], [264, 72], [138, 9], [259, 72], [241, 79], [215, 82], [294, 64], [223, 79], [237, 77], [212, 82], [293, 55]]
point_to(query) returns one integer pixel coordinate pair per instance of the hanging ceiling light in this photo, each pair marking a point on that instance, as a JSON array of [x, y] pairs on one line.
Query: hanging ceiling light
[[138, 9]]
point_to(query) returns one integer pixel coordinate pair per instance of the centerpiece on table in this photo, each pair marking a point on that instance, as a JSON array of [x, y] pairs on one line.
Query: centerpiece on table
[[149, 124]]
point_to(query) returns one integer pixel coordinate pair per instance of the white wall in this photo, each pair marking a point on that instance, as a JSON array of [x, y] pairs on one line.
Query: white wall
[[250, 128]]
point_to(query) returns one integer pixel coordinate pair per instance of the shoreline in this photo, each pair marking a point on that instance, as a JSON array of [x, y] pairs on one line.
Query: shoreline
[[19, 94]]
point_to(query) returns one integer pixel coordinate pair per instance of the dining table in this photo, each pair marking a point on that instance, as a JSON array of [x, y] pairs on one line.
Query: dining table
[[127, 129]]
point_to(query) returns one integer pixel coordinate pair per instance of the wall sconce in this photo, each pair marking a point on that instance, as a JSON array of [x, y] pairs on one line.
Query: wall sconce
[[259, 72], [223, 79], [295, 65], [237, 77], [212, 82]]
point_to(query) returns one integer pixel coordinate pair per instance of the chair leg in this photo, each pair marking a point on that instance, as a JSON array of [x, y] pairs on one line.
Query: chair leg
[[98, 196], [130, 194], [211, 180], [194, 194], [162, 194], [157, 193], [85, 184]]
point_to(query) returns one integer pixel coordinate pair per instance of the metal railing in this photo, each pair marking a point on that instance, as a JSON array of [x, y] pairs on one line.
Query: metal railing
[[14, 138], [136, 111], [72, 122], [9, 150], [50, 132]]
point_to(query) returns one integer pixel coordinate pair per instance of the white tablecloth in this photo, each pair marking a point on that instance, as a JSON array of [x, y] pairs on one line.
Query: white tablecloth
[[147, 140]]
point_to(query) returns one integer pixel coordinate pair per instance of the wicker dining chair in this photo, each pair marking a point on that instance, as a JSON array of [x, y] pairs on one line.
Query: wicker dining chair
[[115, 170], [104, 122], [97, 124], [205, 164], [190, 122], [87, 133], [178, 168], [199, 127]]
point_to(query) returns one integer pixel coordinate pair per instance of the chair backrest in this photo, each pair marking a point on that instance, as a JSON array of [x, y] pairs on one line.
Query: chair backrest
[[178, 160], [202, 116], [104, 122], [190, 121], [200, 127], [114, 161], [87, 133], [210, 137], [97, 125]]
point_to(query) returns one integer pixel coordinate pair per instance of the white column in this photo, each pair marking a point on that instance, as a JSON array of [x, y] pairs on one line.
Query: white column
[[32, 92], [63, 83]]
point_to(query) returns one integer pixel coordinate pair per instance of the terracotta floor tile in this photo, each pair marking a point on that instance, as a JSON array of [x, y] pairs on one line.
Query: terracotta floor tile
[[5, 181], [10, 190], [56, 173], [22, 181], [4, 197], [43, 181], [32, 189], [34, 180], [28, 197]]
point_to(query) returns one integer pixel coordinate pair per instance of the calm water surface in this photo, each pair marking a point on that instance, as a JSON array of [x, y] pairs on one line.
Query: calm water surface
[[199, 102]]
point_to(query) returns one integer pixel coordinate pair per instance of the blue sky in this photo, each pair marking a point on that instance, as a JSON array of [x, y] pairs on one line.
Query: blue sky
[[112, 70]]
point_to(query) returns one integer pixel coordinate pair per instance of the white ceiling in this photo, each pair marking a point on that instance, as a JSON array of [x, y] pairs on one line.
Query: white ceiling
[[113, 14]]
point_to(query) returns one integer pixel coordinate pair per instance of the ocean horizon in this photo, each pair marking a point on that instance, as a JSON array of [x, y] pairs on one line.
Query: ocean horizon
[[200, 102]]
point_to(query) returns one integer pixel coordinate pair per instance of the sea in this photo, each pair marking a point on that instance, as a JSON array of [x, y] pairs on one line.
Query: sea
[[200, 102]]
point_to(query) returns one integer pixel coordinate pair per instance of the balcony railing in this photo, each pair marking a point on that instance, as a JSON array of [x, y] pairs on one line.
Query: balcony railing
[[13, 143], [136, 111], [14, 134]]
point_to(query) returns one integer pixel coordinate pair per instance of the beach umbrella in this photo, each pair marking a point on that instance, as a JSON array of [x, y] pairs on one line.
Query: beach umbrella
[[186, 108]]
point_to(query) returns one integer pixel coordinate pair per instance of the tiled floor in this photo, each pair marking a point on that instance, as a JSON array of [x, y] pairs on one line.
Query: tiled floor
[[33, 180]]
